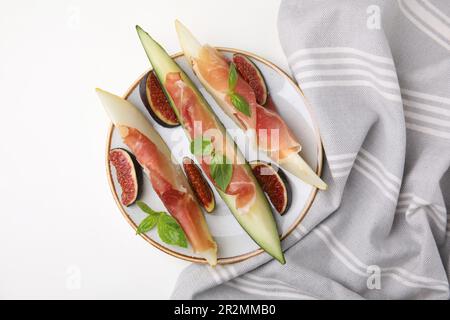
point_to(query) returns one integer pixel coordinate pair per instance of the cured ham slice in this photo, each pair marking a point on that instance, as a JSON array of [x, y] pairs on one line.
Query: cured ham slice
[[165, 175], [273, 135], [171, 186], [189, 106], [242, 187]]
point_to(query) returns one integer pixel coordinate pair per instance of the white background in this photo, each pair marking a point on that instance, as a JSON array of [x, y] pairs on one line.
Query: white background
[[61, 234]]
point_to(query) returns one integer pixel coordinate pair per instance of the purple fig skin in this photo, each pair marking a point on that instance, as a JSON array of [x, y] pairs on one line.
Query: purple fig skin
[[135, 174], [199, 185], [146, 99], [281, 180], [251, 74]]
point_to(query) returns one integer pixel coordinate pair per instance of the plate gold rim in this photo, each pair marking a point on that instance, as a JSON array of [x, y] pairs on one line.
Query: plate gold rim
[[244, 256]]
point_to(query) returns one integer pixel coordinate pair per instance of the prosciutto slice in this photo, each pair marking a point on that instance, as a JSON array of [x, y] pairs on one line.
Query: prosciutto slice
[[171, 187], [273, 134]]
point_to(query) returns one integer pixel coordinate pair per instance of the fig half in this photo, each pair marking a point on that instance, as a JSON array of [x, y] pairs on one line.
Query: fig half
[[251, 74], [127, 176], [155, 100], [274, 183], [199, 185]]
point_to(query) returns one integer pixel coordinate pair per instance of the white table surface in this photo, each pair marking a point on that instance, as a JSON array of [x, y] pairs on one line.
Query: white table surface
[[61, 234]]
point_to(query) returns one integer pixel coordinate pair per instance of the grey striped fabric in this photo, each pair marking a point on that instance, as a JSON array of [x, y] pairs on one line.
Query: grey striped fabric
[[378, 76]]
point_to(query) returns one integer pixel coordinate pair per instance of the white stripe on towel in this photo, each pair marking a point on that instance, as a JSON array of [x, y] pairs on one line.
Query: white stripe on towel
[[409, 203], [344, 61], [427, 130], [378, 163], [346, 50], [264, 292], [424, 23], [341, 164], [426, 117], [426, 107], [425, 96], [388, 194], [344, 156], [348, 72], [350, 83], [357, 266], [438, 12]]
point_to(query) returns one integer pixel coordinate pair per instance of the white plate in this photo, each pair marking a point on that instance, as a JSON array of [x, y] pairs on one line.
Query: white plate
[[234, 244]]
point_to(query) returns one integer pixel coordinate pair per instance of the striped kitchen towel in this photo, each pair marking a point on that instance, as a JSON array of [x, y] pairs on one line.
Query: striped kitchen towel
[[378, 76]]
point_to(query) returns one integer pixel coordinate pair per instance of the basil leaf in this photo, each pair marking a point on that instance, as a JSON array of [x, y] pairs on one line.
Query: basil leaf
[[240, 103], [148, 223], [200, 146], [144, 207], [221, 171], [170, 231], [168, 228], [232, 77]]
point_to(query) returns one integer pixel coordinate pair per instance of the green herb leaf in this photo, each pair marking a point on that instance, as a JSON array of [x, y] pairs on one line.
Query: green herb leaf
[[148, 223], [200, 146], [170, 231], [221, 171], [240, 103], [144, 207], [232, 77], [168, 228]]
